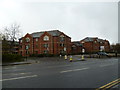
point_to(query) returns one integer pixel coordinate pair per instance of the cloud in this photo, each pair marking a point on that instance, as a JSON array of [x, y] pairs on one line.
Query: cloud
[[78, 20]]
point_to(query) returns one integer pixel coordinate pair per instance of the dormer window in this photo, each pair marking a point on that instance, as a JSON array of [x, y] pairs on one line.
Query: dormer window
[[27, 39], [46, 38]]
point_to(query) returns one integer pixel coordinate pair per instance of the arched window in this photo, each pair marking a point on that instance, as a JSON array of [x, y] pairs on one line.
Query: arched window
[[27, 39], [46, 38]]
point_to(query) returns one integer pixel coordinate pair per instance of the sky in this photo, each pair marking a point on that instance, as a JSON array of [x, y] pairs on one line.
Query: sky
[[75, 18]]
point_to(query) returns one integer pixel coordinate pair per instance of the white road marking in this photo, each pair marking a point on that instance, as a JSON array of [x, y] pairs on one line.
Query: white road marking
[[73, 70], [9, 68], [14, 69], [16, 73], [106, 65], [18, 78], [58, 66]]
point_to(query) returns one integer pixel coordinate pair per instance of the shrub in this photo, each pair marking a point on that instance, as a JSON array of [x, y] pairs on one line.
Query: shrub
[[11, 58], [40, 55], [33, 55], [43, 55]]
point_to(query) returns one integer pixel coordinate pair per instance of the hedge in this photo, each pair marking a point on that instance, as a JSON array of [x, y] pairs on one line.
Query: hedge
[[43, 55], [11, 58]]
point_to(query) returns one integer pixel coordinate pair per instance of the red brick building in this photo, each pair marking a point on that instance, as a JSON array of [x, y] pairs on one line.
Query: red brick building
[[46, 42], [76, 47], [94, 44]]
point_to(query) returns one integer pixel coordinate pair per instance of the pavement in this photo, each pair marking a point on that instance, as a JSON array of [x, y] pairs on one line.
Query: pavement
[[19, 63], [35, 60], [59, 73]]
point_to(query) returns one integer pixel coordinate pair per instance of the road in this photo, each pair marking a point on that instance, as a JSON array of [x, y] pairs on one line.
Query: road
[[60, 73]]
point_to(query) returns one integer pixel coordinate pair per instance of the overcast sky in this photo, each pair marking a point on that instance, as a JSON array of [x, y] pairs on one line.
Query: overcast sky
[[76, 19]]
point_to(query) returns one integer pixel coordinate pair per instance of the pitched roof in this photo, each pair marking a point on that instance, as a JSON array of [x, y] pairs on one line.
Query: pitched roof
[[77, 43], [91, 39], [52, 32], [37, 34]]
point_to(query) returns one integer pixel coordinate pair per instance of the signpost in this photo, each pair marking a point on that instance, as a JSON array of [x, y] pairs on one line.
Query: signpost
[[102, 48], [83, 51], [65, 49], [65, 53]]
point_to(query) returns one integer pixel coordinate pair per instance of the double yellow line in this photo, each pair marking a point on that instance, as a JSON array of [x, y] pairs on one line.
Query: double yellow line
[[109, 85]]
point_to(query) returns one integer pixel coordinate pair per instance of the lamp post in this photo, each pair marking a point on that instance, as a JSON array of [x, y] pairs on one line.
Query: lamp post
[[26, 51]]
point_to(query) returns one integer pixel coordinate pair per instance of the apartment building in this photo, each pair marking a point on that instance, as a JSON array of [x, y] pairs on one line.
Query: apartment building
[[76, 47], [45, 42], [95, 44]]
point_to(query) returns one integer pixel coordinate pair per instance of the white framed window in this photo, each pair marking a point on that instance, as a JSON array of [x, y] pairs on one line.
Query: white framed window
[[27, 47], [62, 44], [62, 38], [82, 42], [36, 39], [46, 38], [27, 39], [95, 41], [73, 46], [20, 41], [45, 45]]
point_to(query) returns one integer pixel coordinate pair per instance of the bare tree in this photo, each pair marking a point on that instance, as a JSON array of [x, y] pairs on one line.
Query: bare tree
[[12, 32], [9, 36], [116, 47]]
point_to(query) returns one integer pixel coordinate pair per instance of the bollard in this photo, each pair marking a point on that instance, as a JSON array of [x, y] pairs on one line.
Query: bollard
[[83, 57], [65, 57], [60, 55], [70, 58]]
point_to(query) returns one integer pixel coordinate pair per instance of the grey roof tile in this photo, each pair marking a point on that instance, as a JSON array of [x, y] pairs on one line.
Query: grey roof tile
[[53, 33], [37, 34], [91, 39]]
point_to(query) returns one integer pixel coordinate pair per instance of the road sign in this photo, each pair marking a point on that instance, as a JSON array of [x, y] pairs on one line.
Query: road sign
[[83, 50], [64, 48]]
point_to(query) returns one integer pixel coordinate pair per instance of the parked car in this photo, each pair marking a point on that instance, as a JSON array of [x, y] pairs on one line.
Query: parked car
[[102, 53]]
